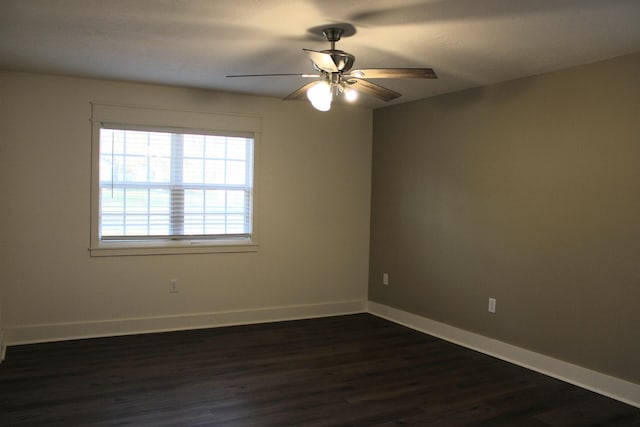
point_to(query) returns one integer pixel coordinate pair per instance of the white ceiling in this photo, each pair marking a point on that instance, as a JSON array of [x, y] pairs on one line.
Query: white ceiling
[[196, 43]]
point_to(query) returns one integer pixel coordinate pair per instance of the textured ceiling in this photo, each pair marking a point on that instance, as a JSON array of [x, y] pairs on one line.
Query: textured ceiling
[[196, 43]]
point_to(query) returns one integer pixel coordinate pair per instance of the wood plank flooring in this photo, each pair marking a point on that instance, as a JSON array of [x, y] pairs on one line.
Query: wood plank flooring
[[355, 370]]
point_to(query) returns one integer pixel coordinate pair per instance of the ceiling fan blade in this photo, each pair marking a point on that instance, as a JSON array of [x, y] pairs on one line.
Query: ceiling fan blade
[[271, 75], [374, 89], [322, 60], [300, 93], [395, 73]]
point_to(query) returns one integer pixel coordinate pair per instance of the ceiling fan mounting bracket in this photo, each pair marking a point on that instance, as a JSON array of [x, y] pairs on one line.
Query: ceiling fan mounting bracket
[[333, 35], [346, 30]]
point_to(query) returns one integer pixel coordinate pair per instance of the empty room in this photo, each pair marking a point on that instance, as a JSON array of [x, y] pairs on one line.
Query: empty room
[[314, 213]]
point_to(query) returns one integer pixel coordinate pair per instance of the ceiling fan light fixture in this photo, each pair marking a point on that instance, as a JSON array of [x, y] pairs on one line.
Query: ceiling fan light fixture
[[350, 95], [322, 106], [320, 96]]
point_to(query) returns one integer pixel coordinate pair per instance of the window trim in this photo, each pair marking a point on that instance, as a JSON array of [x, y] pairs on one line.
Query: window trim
[[140, 117]]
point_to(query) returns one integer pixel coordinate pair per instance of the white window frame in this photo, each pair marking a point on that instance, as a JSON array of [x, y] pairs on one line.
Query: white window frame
[[156, 118]]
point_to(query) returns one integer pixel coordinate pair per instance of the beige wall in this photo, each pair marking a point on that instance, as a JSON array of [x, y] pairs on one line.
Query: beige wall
[[314, 177], [526, 191]]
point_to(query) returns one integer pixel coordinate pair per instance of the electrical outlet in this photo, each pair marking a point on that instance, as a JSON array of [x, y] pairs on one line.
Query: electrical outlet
[[173, 286], [385, 279], [492, 305]]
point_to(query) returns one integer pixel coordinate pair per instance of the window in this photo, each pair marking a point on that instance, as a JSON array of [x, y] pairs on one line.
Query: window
[[168, 189]]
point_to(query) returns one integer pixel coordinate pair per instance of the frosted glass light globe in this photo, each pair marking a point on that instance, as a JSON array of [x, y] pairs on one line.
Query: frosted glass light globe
[[350, 95], [320, 96]]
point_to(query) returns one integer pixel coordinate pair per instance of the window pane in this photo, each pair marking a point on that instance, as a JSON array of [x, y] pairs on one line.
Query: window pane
[[160, 169], [193, 171], [136, 201], [215, 147], [112, 201], [194, 146], [236, 201], [159, 144], [111, 141], [159, 225], [193, 224], [106, 136], [112, 225], [105, 167], [214, 172], [136, 225], [215, 201], [235, 224], [136, 143], [117, 167], [194, 201], [215, 224], [236, 172], [159, 201], [236, 148], [135, 169]]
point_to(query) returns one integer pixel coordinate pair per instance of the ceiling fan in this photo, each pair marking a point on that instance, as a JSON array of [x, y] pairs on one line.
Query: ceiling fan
[[336, 77]]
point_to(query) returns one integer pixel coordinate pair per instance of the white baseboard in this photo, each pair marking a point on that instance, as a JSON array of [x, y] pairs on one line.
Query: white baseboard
[[606, 385], [3, 348], [29, 334]]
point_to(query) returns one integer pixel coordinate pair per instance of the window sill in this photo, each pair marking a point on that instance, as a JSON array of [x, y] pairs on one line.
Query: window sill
[[124, 249]]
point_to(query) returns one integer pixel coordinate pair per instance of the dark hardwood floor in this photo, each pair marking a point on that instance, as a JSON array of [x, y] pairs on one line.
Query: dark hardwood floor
[[347, 370]]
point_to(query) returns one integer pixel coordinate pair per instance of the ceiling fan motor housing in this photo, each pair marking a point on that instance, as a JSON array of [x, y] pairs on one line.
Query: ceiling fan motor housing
[[342, 60]]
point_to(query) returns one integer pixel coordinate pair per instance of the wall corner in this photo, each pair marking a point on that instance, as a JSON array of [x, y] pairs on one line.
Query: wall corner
[[3, 347]]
